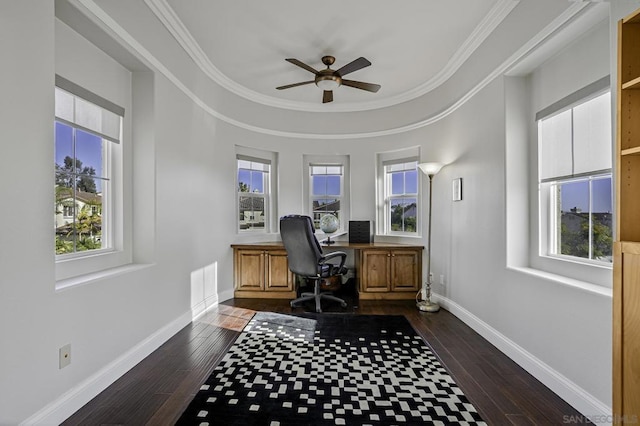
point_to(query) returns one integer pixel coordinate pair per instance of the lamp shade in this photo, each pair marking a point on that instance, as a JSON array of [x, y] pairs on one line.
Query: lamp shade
[[430, 169], [328, 82]]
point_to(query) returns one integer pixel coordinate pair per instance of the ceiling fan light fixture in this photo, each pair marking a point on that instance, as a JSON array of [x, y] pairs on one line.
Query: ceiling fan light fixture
[[328, 82]]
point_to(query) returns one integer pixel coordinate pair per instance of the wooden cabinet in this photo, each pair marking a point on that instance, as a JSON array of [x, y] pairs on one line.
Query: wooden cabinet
[[383, 270], [626, 330], [390, 273], [375, 271], [262, 272], [626, 266]]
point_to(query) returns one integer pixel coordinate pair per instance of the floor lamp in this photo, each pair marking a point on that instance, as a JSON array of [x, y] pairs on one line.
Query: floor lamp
[[429, 169]]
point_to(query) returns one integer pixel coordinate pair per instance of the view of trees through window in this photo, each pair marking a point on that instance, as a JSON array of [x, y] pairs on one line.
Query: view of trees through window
[[402, 188], [79, 182], [585, 221], [253, 184]]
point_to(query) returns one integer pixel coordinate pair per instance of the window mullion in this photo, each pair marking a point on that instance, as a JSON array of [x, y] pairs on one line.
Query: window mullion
[[74, 189], [573, 154], [591, 218]]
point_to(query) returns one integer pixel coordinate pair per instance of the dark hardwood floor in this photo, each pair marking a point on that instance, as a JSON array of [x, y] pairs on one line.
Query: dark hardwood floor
[[156, 391]]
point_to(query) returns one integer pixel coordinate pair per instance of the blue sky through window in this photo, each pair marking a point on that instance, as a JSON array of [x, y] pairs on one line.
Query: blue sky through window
[[88, 149], [602, 199], [326, 184], [405, 182], [64, 143], [576, 195], [253, 179]]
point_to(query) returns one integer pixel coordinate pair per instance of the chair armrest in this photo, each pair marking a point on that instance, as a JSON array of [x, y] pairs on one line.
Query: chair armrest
[[332, 255]]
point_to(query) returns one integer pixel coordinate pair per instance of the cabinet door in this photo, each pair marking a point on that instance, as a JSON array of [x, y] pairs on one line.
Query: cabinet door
[[279, 278], [626, 324], [405, 271], [375, 274], [250, 270]]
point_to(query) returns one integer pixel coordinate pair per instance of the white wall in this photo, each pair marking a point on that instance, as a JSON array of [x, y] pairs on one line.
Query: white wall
[[578, 65], [28, 344], [559, 333], [114, 321]]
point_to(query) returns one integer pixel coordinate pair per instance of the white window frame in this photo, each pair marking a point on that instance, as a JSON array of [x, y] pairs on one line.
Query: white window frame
[[259, 157], [552, 241], [383, 191], [388, 196], [107, 232], [329, 170], [328, 160], [114, 253], [547, 257]]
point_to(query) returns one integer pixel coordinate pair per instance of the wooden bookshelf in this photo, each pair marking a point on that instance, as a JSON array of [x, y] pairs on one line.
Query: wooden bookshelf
[[626, 266]]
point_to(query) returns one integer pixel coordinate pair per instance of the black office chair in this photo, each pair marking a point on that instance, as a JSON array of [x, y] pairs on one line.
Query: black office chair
[[305, 258]]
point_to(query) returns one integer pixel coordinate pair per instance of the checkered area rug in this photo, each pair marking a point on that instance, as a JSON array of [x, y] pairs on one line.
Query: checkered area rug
[[329, 369]]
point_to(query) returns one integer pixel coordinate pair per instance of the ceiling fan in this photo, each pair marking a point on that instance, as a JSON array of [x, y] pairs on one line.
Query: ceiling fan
[[329, 79]]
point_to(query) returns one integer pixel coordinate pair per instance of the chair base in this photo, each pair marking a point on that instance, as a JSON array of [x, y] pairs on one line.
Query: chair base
[[317, 296]]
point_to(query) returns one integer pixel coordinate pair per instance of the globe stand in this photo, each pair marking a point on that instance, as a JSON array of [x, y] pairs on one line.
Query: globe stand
[[329, 224]]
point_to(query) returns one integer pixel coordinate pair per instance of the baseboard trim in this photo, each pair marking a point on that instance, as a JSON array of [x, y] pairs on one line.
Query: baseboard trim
[[573, 394], [203, 307], [71, 401], [225, 295]]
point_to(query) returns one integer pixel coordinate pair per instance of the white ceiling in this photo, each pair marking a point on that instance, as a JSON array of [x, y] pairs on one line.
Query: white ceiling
[[413, 45]]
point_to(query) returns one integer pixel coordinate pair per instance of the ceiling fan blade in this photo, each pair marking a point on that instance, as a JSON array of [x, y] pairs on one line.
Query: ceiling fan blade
[[327, 96], [354, 66], [301, 65], [369, 87], [289, 86]]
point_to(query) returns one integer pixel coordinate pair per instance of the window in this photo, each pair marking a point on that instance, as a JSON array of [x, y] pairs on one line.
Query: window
[[326, 188], [253, 193], [401, 196], [68, 211], [86, 128], [398, 197], [326, 191], [575, 181]]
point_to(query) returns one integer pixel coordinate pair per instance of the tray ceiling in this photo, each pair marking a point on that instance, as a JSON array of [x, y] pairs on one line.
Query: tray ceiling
[[413, 45]]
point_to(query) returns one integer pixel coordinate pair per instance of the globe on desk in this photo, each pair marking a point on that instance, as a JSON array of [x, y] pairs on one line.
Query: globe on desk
[[329, 224]]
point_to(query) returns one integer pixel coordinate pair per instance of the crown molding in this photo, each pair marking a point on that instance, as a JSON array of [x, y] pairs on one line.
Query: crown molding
[[167, 16], [100, 17]]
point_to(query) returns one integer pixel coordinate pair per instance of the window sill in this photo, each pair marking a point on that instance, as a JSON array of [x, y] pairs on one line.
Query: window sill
[[560, 279], [597, 274], [69, 283], [398, 236], [321, 236], [579, 261]]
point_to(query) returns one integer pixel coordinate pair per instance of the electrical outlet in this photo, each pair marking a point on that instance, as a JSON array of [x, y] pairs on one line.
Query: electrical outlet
[[65, 355], [442, 279]]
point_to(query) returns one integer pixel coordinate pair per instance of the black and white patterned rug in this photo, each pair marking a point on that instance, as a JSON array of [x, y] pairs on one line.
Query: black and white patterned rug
[[329, 369]]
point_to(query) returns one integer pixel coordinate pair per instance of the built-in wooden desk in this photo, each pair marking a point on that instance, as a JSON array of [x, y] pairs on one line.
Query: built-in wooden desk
[[382, 270]]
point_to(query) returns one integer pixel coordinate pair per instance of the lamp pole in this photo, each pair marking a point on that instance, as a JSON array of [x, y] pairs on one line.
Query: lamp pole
[[430, 169]]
